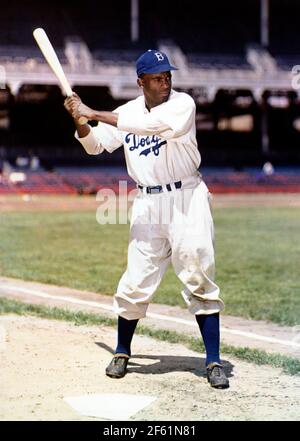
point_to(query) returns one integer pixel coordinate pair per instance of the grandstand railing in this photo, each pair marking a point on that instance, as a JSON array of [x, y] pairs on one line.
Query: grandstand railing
[[117, 72]]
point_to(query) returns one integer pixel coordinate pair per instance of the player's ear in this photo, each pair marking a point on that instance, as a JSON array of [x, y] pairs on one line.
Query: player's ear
[[140, 82]]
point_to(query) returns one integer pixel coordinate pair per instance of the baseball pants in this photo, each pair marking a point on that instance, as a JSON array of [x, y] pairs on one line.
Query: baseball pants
[[170, 227]]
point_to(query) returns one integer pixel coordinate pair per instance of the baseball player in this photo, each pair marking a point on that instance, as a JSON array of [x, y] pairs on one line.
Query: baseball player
[[171, 219]]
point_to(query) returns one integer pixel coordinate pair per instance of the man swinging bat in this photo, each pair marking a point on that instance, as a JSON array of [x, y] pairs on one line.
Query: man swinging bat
[[157, 131]]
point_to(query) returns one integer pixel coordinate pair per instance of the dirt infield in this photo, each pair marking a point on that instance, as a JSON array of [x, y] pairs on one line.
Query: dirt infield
[[44, 361], [89, 203]]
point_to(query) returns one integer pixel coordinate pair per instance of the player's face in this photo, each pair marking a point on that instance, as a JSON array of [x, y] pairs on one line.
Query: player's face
[[156, 87]]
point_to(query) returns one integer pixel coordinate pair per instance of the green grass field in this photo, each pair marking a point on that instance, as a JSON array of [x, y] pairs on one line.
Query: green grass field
[[257, 255], [289, 365]]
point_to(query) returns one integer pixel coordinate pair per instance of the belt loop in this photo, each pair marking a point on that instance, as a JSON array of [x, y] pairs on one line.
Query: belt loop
[[143, 189]]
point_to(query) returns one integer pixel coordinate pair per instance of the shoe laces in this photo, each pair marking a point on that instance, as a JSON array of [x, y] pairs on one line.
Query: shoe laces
[[119, 360], [217, 370]]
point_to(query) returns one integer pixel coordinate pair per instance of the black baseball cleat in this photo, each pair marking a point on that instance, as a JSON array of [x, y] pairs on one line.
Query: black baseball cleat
[[216, 376], [117, 368]]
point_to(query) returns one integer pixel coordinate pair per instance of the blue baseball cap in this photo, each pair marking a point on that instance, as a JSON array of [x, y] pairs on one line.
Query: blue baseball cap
[[153, 61]]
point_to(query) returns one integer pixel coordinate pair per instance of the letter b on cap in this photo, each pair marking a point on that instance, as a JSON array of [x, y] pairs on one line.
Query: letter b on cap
[[159, 56]]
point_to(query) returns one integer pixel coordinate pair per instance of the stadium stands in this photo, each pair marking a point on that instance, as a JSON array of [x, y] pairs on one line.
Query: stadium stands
[[217, 61], [85, 181], [216, 47]]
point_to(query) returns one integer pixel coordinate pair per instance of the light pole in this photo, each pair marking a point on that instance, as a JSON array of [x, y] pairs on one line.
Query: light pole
[[264, 23], [134, 20]]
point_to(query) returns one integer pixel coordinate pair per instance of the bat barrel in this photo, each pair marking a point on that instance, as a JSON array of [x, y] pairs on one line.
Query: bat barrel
[[50, 55]]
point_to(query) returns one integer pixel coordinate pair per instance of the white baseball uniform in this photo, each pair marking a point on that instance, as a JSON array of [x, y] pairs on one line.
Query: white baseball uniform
[[174, 225]]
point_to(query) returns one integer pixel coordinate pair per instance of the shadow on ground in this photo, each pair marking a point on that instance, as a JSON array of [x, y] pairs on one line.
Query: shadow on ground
[[163, 364]]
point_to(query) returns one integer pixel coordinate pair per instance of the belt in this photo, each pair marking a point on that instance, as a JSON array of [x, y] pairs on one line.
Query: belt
[[160, 188]]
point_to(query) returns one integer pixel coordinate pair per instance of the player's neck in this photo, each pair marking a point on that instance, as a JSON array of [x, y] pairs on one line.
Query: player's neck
[[150, 103]]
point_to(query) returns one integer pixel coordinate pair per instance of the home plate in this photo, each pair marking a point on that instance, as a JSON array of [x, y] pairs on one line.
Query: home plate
[[109, 406]]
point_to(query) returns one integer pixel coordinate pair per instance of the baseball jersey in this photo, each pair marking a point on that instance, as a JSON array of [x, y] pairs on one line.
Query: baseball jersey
[[160, 145]]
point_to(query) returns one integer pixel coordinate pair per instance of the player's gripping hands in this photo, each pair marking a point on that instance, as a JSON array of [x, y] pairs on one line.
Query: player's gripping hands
[[77, 109]]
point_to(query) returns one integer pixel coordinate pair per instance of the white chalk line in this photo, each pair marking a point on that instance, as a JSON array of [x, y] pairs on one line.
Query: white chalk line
[[74, 300]]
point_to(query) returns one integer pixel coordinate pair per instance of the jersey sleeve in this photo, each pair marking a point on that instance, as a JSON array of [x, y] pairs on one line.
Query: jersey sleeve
[[101, 137], [169, 120]]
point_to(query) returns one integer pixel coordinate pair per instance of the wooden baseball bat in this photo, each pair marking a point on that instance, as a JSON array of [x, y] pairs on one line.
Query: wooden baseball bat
[[50, 55]]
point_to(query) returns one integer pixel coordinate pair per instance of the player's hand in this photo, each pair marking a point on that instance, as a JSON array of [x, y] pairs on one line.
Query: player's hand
[[72, 102], [76, 108], [81, 110]]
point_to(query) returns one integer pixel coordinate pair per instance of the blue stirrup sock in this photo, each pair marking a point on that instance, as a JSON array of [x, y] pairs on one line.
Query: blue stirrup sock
[[209, 326], [126, 330]]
